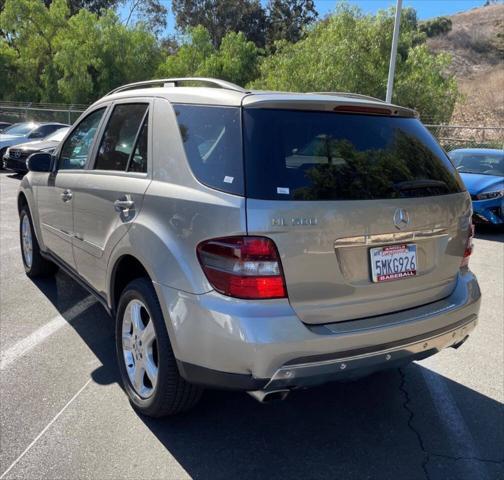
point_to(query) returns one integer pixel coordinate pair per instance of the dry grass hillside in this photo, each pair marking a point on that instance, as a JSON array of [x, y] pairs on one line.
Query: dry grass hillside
[[476, 43]]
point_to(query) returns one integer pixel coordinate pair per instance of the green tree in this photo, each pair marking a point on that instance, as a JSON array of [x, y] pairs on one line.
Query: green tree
[[7, 71], [196, 48], [436, 26], [152, 13], [220, 17], [350, 52], [96, 54], [55, 57], [288, 18], [29, 30], [235, 60], [421, 83], [95, 6]]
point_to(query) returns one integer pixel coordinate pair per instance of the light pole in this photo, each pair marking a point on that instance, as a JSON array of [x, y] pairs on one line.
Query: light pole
[[393, 52]]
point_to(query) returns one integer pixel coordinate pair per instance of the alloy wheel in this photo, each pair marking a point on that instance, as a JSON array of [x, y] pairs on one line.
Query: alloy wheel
[[140, 350], [27, 241]]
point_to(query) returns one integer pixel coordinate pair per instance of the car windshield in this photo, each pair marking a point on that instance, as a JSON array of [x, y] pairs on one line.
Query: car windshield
[[485, 163], [58, 135], [20, 129]]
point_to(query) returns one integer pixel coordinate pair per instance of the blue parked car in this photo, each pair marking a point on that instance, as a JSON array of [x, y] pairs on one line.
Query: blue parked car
[[482, 170]]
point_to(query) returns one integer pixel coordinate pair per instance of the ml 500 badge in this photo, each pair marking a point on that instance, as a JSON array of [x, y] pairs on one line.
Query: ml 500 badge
[[294, 222]]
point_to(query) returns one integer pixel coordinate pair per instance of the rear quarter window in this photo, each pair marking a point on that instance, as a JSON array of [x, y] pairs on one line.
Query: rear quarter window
[[306, 155], [212, 143]]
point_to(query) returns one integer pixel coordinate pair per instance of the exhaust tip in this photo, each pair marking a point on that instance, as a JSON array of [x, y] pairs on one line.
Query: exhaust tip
[[459, 344], [269, 397]]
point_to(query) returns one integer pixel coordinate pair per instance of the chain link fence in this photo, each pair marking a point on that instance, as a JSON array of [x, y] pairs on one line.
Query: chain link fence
[[465, 136], [449, 136], [14, 112]]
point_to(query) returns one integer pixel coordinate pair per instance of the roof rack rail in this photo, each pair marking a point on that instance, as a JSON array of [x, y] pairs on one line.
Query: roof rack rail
[[174, 82], [350, 95]]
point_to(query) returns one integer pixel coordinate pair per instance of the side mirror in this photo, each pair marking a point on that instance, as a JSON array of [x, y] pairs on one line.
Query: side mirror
[[39, 162]]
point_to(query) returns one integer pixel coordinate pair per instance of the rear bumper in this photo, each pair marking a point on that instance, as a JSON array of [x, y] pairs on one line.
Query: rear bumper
[[228, 343], [307, 373]]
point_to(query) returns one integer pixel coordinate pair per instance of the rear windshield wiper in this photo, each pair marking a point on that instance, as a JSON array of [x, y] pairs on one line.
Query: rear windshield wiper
[[421, 187]]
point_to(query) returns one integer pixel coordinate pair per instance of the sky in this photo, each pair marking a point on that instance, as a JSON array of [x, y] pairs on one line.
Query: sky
[[425, 8]]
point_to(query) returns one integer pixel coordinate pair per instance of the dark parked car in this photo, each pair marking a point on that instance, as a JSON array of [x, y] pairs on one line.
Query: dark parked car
[[15, 157], [4, 125]]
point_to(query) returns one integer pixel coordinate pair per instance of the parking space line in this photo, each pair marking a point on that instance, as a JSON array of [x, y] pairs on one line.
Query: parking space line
[[459, 434], [37, 438], [38, 336]]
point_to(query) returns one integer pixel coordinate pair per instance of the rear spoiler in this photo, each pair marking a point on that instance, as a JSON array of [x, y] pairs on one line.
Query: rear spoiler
[[327, 102]]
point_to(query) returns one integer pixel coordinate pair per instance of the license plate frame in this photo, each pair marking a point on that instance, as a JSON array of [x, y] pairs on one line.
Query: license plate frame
[[390, 268]]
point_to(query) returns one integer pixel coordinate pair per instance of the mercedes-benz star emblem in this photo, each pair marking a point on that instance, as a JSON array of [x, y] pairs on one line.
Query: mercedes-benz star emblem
[[401, 218], [16, 154]]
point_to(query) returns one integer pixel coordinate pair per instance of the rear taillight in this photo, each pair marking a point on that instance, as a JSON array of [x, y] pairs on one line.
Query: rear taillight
[[243, 267], [468, 247]]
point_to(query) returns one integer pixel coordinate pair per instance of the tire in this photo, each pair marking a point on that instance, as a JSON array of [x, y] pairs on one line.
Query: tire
[[36, 266], [168, 393]]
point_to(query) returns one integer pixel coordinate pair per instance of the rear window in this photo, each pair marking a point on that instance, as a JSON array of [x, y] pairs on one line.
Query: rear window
[[212, 142], [306, 155]]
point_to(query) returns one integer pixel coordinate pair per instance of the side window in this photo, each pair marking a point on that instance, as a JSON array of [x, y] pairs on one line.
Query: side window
[[138, 162], [53, 128], [76, 148], [122, 139], [212, 143], [40, 132], [47, 129]]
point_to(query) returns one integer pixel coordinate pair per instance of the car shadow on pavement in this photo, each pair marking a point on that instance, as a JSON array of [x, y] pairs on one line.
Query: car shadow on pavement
[[91, 321], [411, 423], [16, 176], [382, 427], [493, 233]]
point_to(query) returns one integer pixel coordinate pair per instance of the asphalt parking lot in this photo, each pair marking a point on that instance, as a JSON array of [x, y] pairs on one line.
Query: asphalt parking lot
[[63, 414]]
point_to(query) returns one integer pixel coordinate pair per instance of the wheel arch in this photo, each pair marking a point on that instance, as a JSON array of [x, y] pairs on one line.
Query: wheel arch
[[25, 199], [126, 268], [22, 201]]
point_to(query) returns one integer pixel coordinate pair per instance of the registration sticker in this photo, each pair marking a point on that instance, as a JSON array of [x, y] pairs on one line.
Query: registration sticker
[[393, 262]]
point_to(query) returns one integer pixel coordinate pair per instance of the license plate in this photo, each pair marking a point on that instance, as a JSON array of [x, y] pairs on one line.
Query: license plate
[[393, 262]]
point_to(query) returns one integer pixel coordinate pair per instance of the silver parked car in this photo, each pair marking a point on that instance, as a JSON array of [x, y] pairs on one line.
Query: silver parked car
[[253, 240], [26, 132]]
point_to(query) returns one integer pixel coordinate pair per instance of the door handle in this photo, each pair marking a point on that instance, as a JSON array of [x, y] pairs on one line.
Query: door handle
[[124, 204], [67, 195]]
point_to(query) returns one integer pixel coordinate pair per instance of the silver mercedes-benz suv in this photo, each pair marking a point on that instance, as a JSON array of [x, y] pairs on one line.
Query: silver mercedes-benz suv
[[259, 241]]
